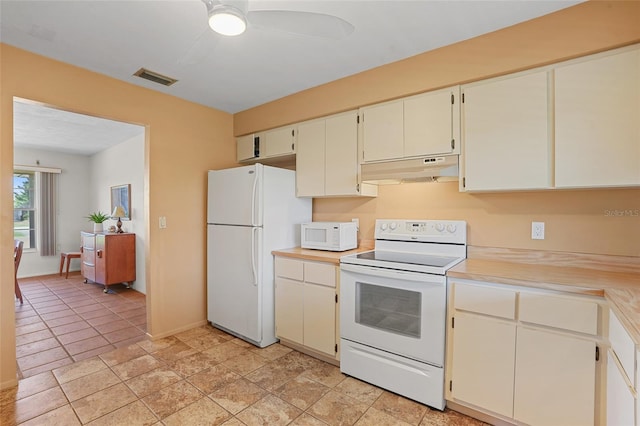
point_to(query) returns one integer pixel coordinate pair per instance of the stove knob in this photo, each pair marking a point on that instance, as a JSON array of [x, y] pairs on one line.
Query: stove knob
[[392, 226], [439, 227], [451, 228], [383, 226]]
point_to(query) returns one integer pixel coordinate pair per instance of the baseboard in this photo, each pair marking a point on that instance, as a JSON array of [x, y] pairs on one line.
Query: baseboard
[[9, 384], [177, 330]]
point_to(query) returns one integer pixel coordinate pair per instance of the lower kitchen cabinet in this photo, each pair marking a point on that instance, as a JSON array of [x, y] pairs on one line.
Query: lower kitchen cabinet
[[620, 394], [484, 358], [306, 305], [506, 359]]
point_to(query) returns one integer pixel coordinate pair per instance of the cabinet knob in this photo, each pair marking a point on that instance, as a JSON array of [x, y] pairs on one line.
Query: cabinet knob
[[99, 253]]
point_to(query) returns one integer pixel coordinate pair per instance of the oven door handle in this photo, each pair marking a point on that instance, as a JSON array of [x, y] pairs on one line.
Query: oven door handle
[[392, 273]]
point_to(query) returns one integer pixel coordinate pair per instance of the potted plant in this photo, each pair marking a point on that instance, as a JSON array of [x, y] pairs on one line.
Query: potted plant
[[97, 218]]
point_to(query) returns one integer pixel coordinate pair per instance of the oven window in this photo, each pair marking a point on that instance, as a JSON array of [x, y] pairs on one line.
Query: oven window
[[390, 309]]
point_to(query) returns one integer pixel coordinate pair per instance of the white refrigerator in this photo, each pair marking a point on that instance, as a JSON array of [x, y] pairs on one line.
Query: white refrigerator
[[251, 211]]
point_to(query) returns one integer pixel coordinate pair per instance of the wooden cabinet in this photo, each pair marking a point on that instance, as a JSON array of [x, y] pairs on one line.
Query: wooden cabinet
[[279, 142], [506, 134], [621, 374], [597, 121], [483, 360], [515, 350], [108, 258], [327, 158], [306, 299], [421, 125], [248, 147]]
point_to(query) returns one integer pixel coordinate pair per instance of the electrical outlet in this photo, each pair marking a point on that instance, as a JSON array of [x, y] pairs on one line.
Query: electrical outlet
[[357, 221], [537, 230]]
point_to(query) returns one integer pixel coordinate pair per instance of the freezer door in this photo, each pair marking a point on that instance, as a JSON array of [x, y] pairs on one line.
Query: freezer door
[[234, 281], [235, 196]]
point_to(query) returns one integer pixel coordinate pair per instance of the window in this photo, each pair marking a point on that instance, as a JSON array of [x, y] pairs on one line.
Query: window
[[24, 212]]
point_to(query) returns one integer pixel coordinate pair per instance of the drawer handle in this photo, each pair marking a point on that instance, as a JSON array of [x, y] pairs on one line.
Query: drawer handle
[[99, 253]]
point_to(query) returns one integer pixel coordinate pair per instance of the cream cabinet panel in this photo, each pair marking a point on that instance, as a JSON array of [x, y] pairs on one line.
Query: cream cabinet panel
[[492, 301], [320, 273], [622, 344], [597, 122], [289, 309], [310, 159], [555, 379], [383, 131], [319, 318], [279, 142], [559, 312], [289, 268], [620, 397], [247, 147], [431, 123], [341, 155], [505, 125], [483, 362]]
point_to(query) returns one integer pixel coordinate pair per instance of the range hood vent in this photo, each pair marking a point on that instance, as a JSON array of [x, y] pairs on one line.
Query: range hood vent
[[426, 169], [155, 77]]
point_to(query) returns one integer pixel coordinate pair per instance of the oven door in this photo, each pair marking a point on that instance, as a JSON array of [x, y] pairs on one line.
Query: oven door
[[396, 311]]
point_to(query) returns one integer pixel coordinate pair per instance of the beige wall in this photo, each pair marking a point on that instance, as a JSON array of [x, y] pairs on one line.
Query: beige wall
[[576, 221], [183, 141]]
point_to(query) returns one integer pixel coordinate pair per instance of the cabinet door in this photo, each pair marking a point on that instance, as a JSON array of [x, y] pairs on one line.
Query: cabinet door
[[279, 142], [320, 318], [597, 122], [555, 379], [506, 134], [429, 123], [620, 398], [483, 362], [310, 159], [246, 147], [289, 305], [341, 155], [383, 131]]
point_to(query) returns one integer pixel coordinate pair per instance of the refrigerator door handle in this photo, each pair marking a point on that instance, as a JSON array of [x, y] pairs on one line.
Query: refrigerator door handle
[[254, 194], [253, 256]]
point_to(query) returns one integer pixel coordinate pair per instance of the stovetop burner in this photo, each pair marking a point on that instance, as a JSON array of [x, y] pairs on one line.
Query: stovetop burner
[[408, 258]]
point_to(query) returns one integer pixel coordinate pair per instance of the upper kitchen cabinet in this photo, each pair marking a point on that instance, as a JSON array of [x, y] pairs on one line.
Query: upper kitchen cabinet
[[506, 133], [421, 125], [327, 158], [597, 121], [279, 142], [269, 147], [248, 147]]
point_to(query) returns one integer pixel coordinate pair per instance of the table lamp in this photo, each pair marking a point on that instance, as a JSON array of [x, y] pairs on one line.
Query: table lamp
[[118, 212]]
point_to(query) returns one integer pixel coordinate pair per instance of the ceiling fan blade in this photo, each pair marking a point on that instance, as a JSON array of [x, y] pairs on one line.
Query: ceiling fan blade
[[302, 23], [202, 46]]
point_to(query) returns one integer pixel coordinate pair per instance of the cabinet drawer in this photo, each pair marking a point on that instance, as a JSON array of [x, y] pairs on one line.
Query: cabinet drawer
[[559, 312], [486, 300], [88, 240], [289, 268], [320, 273], [622, 345]]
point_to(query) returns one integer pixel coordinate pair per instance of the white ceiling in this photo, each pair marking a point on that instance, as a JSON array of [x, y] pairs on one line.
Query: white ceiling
[[232, 74]]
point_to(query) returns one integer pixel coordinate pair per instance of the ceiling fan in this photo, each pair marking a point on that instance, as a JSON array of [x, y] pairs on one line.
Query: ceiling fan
[[231, 17]]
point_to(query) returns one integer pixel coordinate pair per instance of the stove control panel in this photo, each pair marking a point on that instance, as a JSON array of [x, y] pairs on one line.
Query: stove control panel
[[449, 231]]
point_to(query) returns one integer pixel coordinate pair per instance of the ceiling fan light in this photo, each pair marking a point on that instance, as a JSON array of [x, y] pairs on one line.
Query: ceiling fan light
[[227, 20]]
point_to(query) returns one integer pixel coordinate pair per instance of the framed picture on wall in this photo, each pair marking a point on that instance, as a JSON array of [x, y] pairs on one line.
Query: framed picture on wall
[[121, 196]]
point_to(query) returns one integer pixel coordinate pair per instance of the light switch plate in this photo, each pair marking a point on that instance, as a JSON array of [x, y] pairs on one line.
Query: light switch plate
[[162, 222]]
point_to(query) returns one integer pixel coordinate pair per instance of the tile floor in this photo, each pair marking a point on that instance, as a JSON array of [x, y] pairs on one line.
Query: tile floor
[[65, 320], [201, 376]]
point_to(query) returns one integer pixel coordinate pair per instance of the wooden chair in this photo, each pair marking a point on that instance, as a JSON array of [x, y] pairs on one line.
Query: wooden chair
[[17, 255]]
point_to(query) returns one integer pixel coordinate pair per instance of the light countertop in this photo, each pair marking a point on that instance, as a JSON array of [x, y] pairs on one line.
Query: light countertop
[[322, 255]]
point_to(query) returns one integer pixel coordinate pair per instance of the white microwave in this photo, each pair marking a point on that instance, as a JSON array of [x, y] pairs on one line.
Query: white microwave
[[332, 236]]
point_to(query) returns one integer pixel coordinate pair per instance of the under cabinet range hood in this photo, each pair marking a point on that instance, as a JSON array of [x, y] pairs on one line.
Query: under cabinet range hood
[[425, 169]]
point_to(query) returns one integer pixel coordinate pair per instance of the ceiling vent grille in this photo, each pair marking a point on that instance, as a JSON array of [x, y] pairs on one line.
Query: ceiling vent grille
[[155, 77]]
